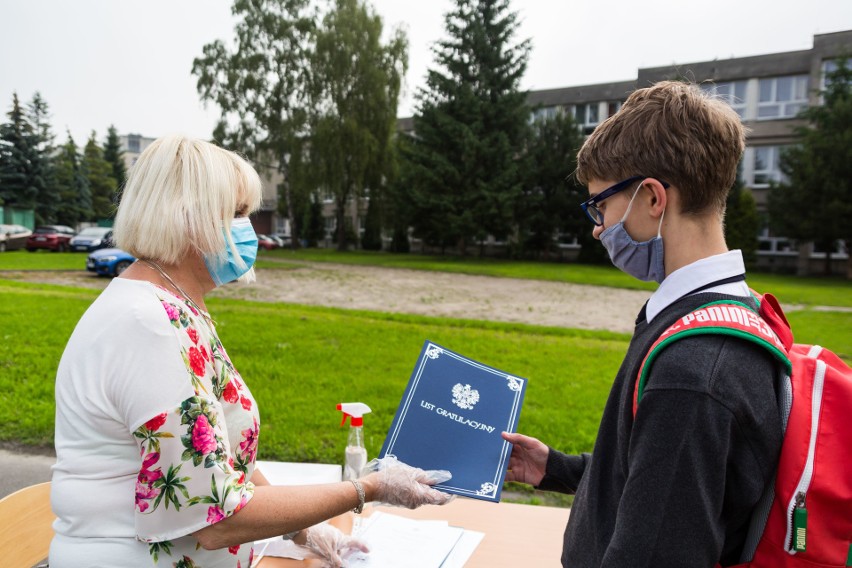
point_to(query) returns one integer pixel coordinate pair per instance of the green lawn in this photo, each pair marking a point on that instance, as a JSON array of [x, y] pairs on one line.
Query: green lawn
[[301, 361]]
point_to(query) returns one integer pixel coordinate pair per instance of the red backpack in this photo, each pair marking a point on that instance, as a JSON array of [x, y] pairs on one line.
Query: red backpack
[[805, 520]]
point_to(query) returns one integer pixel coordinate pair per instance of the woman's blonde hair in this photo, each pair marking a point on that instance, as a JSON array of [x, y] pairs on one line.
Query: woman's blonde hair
[[181, 195]]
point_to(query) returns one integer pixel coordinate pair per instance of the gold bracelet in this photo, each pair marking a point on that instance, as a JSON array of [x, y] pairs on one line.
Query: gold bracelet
[[361, 496]]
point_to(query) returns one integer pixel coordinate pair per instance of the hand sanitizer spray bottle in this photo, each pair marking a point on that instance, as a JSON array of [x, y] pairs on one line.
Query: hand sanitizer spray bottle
[[356, 453]]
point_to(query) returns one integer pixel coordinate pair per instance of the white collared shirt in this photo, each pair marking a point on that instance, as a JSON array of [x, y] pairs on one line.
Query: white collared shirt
[[687, 279]]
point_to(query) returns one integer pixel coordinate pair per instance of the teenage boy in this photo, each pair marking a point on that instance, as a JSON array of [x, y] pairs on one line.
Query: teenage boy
[[676, 484]]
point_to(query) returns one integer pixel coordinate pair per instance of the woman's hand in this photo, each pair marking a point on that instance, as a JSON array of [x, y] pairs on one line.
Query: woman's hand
[[528, 461], [330, 545], [396, 483]]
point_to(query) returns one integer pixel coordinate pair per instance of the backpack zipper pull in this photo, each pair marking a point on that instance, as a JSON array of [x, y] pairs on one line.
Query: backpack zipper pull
[[800, 524]]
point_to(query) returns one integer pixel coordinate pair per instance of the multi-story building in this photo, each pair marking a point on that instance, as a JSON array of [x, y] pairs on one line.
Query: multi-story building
[[767, 91]]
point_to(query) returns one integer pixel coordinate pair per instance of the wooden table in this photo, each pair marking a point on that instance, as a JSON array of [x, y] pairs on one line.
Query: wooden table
[[515, 535]]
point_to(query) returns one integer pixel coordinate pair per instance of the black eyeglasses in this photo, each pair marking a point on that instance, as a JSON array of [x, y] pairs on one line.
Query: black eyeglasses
[[590, 206]]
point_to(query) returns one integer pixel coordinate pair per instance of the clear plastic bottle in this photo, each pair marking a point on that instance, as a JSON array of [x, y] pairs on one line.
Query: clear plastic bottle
[[355, 457]]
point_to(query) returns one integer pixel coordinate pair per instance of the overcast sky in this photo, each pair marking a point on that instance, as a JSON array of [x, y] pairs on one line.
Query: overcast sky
[[127, 63]]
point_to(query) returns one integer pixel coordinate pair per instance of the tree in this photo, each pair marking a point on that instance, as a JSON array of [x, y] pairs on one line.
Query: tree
[[75, 195], [814, 203], [114, 154], [742, 222], [43, 169], [550, 195], [470, 127], [261, 86], [19, 186], [99, 174], [355, 84]]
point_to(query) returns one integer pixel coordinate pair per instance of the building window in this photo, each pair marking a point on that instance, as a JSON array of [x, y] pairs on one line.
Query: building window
[[732, 92], [330, 227], [545, 113], [612, 107], [829, 66], [767, 165], [587, 114], [782, 97], [133, 143]]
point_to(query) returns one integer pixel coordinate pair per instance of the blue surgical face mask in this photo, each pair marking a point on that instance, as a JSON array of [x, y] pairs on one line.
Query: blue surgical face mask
[[225, 268], [640, 260]]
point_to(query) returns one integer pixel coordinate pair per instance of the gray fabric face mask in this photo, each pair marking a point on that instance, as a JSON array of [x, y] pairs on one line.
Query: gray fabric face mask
[[641, 260]]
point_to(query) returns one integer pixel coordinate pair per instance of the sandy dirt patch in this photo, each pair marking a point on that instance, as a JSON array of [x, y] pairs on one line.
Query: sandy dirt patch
[[420, 292]]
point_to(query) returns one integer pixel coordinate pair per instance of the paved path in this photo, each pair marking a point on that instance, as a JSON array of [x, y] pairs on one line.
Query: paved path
[[19, 470]]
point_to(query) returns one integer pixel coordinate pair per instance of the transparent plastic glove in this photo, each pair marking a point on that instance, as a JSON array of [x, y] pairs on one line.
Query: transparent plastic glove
[[331, 546], [401, 485]]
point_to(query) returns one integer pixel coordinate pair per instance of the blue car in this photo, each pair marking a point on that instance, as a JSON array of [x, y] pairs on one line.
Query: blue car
[[109, 261]]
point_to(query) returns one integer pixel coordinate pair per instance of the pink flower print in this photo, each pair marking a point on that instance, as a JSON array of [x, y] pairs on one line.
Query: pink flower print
[[230, 393], [215, 514], [193, 334], [203, 437], [246, 402], [156, 422], [242, 503], [234, 549], [248, 447], [196, 361], [171, 311], [145, 491], [204, 352]]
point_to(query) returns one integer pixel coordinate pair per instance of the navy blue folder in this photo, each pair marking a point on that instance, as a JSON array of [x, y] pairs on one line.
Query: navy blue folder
[[451, 417]]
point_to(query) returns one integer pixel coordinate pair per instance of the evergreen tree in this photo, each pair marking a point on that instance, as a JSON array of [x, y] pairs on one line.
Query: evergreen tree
[[114, 154], [43, 170], [742, 222], [814, 203], [75, 205], [550, 196], [470, 128], [355, 84], [18, 155], [98, 172]]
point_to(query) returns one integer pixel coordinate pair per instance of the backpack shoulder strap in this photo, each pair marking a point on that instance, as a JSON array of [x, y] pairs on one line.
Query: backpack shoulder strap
[[726, 317]]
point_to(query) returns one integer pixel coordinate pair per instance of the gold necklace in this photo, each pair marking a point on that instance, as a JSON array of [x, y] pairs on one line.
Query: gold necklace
[[168, 278]]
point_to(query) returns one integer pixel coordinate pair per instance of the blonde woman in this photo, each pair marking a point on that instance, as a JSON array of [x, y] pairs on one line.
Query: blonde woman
[[156, 430]]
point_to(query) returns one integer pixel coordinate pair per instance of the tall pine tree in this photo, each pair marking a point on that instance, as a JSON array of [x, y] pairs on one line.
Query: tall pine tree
[[550, 197], [75, 205], [18, 187], [102, 185], [114, 154], [43, 166], [470, 128]]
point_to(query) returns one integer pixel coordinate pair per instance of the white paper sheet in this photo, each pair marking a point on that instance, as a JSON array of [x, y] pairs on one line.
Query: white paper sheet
[[397, 542]]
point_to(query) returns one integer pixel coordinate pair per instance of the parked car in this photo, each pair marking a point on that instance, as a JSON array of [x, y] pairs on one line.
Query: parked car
[[13, 237], [284, 238], [92, 238], [109, 261], [50, 237], [266, 243]]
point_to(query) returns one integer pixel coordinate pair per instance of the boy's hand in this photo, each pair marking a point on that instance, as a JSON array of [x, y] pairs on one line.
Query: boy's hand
[[528, 460]]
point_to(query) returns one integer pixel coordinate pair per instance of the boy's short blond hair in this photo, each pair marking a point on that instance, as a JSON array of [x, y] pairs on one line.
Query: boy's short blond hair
[[180, 195], [675, 132]]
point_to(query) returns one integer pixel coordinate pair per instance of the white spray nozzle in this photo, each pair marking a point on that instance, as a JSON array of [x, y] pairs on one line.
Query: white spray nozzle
[[353, 410]]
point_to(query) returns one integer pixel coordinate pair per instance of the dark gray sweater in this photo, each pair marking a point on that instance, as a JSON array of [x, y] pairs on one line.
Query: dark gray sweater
[[676, 486]]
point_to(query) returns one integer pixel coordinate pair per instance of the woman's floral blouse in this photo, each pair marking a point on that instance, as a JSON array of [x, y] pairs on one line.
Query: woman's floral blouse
[[195, 455], [194, 467]]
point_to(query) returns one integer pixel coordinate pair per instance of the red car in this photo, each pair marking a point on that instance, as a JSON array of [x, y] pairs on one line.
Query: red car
[[50, 237]]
